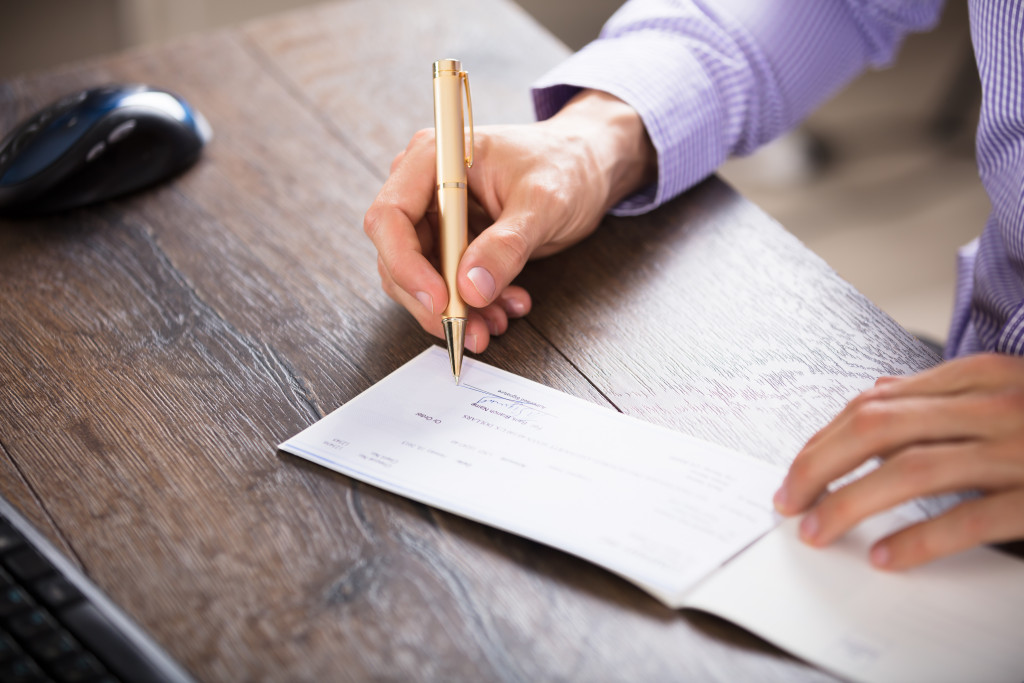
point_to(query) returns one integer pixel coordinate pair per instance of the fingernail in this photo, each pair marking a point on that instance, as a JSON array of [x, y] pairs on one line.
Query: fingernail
[[426, 300], [483, 281], [515, 308], [885, 384], [880, 555], [471, 343], [809, 527]]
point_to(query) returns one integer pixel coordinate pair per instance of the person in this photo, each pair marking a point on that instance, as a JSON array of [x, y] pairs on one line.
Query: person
[[668, 91]]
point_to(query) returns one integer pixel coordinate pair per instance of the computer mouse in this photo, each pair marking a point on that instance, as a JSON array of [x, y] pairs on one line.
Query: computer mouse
[[97, 144]]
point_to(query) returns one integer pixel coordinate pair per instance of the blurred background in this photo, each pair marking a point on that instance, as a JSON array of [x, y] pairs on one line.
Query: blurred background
[[880, 182]]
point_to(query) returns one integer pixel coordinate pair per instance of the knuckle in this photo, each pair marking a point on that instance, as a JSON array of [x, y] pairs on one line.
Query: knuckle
[[927, 541], [423, 136], [388, 285], [920, 547], [838, 509], [958, 529], [497, 321], [863, 398], [511, 241], [554, 196], [801, 472], [1007, 453], [541, 189], [372, 222], [917, 468], [1010, 402], [869, 417], [975, 523], [396, 161], [560, 200]]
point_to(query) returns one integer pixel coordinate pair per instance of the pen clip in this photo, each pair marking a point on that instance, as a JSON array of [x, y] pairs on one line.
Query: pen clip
[[469, 115]]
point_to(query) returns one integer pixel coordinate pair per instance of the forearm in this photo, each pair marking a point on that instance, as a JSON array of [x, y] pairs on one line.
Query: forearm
[[712, 79]]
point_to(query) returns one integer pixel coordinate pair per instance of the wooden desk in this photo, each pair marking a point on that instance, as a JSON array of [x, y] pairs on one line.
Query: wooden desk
[[155, 349]]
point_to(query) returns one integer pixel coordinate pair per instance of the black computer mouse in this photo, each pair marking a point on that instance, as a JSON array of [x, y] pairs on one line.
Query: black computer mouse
[[97, 144]]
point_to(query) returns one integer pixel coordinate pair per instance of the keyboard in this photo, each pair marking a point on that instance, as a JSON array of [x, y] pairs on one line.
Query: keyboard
[[56, 625]]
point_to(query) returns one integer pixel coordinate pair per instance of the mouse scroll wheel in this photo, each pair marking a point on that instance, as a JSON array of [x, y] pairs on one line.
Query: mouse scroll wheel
[[121, 131]]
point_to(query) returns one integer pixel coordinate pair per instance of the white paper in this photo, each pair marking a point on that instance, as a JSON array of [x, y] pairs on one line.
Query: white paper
[[667, 512], [957, 619], [659, 508]]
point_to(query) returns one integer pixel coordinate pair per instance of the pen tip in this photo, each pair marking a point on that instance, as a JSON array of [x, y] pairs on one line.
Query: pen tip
[[455, 335], [458, 379]]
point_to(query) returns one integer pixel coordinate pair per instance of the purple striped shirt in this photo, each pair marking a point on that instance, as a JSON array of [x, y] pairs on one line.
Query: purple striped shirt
[[713, 78]]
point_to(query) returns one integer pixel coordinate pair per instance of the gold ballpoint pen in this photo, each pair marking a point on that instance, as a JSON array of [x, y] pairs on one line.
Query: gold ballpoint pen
[[452, 194]]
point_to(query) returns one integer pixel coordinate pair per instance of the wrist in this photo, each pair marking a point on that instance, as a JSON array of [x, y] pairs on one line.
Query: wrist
[[612, 136]]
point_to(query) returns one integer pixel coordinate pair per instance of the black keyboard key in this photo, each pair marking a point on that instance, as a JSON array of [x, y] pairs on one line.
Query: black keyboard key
[[49, 611], [27, 564], [9, 537], [77, 668], [56, 592], [13, 600], [98, 635], [21, 670], [8, 648], [31, 624], [52, 646]]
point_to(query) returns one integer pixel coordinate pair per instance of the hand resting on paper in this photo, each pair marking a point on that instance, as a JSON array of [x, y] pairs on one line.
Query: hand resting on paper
[[955, 427], [535, 189]]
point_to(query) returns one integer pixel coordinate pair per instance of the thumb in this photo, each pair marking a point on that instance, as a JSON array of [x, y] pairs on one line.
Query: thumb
[[498, 255]]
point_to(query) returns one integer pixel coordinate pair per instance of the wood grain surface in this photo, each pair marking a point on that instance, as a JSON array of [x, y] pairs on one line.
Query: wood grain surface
[[154, 350]]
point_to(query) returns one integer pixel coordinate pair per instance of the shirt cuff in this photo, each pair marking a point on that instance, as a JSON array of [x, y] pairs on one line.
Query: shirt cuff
[[672, 94]]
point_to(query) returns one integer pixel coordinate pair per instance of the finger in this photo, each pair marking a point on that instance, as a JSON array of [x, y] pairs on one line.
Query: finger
[[391, 222], [867, 395], [947, 378], [477, 327], [401, 255], [982, 371], [877, 427], [992, 519], [496, 257], [495, 317], [421, 307], [531, 216], [396, 161], [478, 334], [917, 471], [515, 301], [425, 232]]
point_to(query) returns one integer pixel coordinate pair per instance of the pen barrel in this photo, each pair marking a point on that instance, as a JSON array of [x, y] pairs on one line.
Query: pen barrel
[[452, 217], [452, 190]]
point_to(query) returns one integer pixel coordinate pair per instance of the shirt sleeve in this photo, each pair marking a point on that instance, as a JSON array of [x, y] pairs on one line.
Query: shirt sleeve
[[715, 78], [989, 310]]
